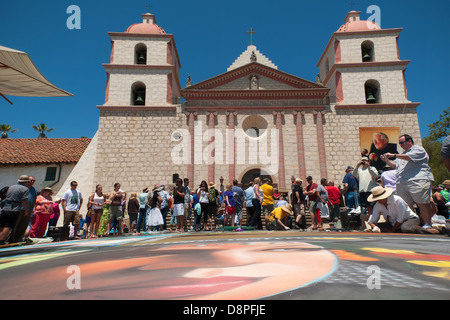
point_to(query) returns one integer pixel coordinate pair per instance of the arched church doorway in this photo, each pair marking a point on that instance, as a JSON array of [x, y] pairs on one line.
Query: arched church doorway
[[254, 173]]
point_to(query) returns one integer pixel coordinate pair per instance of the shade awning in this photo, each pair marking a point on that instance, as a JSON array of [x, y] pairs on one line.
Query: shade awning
[[20, 77]]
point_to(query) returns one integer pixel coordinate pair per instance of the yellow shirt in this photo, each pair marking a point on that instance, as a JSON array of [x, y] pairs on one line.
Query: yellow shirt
[[278, 213], [268, 194]]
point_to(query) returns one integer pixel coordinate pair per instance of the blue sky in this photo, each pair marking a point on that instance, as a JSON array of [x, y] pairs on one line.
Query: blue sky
[[209, 35]]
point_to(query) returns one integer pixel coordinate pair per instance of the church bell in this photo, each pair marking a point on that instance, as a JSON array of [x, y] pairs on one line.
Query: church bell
[[141, 58], [366, 56], [139, 99], [370, 98]]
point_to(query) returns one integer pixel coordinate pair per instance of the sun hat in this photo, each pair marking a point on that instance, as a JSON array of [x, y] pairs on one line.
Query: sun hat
[[212, 185], [47, 188], [23, 178], [158, 188], [446, 182], [287, 208], [379, 193]]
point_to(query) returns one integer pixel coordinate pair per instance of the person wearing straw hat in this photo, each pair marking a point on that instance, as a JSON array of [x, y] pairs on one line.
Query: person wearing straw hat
[[399, 217], [278, 218], [43, 211]]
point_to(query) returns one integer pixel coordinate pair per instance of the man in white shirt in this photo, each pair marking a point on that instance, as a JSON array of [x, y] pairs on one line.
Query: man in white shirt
[[399, 217], [71, 204]]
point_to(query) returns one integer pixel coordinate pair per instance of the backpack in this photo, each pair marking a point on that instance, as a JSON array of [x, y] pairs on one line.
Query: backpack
[[212, 195], [198, 209]]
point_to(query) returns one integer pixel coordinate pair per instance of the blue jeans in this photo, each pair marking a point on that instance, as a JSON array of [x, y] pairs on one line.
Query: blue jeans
[[197, 220], [164, 215], [351, 199], [141, 220]]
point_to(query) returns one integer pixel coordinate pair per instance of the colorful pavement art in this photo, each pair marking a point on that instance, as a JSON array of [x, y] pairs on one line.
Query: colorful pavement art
[[226, 267]]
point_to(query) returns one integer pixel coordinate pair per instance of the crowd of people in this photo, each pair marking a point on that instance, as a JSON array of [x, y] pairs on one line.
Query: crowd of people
[[402, 197]]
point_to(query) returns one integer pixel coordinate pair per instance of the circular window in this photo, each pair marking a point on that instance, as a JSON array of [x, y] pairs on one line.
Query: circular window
[[254, 126]]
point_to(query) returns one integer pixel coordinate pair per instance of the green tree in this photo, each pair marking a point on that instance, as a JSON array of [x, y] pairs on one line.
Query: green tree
[[440, 128], [433, 144], [5, 128], [42, 128]]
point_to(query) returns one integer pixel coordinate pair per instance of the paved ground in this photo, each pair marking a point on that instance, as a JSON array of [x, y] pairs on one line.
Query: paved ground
[[245, 265]]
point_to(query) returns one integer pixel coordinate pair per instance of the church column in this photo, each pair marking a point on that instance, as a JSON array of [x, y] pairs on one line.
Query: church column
[[281, 169], [231, 146], [212, 153], [190, 166], [300, 144], [321, 144]]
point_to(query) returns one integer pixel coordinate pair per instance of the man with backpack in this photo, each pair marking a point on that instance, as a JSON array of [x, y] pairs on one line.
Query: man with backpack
[[213, 198]]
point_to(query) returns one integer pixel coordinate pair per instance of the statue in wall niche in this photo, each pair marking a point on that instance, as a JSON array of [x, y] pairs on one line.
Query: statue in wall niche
[[253, 57], [254, 83]]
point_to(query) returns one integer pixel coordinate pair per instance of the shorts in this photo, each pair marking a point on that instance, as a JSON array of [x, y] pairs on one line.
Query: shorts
[[415, 191], [8, 219], [312, 206], [116, 212], [267, 209], [178, 209], [239, 211], [230, 210], [299, 209], [72, 216]]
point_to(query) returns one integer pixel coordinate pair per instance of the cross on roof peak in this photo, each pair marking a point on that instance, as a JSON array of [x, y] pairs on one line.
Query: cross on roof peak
[[251, 32]]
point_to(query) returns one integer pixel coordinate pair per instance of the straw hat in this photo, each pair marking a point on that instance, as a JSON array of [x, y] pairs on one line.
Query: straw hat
[[158, 188], [446, 182], [212, 185], [47, 189], [379, 193], [23, 178], [287, 208]]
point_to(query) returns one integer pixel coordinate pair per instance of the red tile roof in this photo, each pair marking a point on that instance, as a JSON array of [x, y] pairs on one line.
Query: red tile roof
[[44, 150]]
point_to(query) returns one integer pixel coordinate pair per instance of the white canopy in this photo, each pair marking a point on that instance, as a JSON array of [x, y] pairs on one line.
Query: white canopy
[[20, 77]]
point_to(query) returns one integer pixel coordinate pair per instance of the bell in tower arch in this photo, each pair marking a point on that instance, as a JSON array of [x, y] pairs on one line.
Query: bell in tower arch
[[370, 97], [366, 56], [139, 97], [141, 58]]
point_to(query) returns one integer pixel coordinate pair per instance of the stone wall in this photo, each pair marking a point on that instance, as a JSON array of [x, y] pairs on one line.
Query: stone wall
[[134, 148]]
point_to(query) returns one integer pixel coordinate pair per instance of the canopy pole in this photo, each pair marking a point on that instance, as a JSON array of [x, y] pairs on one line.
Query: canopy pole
[[6, 98]]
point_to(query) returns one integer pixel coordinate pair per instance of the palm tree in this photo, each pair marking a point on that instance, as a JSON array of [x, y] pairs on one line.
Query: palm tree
[[42, 128], [5, 128]]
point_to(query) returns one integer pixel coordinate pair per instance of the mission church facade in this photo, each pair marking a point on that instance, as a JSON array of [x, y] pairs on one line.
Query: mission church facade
[[252, 120]]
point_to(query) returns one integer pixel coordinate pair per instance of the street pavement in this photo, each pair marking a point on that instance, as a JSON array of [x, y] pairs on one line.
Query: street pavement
[[245, 266]]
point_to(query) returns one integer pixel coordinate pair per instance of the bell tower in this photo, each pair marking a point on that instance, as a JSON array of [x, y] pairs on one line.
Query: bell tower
[[362, 67], [144, 67]]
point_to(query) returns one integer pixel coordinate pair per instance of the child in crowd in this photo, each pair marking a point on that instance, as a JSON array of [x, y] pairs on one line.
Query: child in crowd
[[230, 209]]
